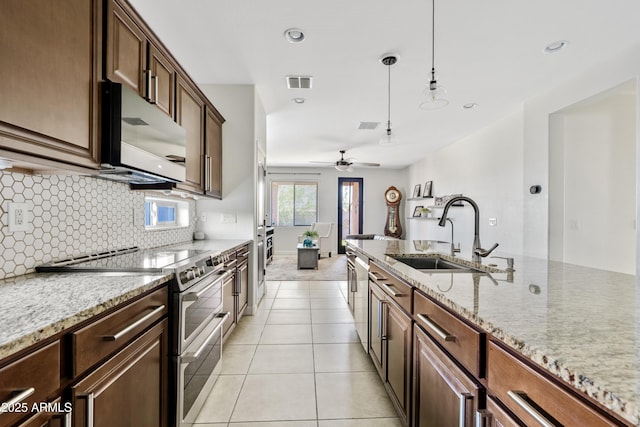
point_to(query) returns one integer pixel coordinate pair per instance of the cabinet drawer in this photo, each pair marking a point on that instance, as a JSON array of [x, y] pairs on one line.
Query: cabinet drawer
[[107, 335], [529, 394], [462, 341], [36, 377], [398, 291]]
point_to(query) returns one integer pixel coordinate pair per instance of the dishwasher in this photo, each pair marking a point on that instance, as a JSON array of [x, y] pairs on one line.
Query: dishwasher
[[358, 294]]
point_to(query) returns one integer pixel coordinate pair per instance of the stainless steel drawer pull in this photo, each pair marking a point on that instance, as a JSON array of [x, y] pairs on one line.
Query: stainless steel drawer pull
[[134, 325], [90, 407], [391, 290], [436, 329], [192, 357], [193, 296], [517, 397], [5, 407], [483, 418], [245, 254], [465, 399], [375, 276]]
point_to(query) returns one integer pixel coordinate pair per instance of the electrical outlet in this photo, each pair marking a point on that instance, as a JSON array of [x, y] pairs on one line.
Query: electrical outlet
[[203, 217], [18, 217], [493, 222]]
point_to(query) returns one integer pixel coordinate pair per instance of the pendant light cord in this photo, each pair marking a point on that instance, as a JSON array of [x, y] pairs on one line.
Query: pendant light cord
[[389, 99], [433, 39]]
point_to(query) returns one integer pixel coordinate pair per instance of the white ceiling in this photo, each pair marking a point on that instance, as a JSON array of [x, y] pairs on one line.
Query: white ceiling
[[488, 52]]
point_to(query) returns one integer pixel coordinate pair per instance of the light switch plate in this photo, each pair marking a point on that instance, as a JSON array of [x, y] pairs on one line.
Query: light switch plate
[[228, 218], [493, 222]]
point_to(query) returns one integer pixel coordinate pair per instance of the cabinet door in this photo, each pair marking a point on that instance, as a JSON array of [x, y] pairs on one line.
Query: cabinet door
[[132, 386], [398, 365], [190, 115], [48, 81], [163, 88], [443, 394], [228, 303], [376, 327], [57, 414], [126, 49], [243, 288], [213, 153]]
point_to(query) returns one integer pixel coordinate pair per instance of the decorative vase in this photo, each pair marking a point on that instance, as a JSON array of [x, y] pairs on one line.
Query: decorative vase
[[307, 242]]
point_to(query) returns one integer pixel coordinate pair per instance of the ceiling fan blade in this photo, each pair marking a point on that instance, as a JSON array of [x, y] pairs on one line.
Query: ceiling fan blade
[[322, 163], [374, 165]]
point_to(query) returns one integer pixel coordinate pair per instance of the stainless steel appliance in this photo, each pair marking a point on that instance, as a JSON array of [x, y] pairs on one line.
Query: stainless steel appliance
[[140, 144], [358, 293], [196, 316]]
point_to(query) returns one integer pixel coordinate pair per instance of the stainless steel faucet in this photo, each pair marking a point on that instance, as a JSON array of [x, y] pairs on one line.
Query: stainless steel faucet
[[477, 250], [454, 250]]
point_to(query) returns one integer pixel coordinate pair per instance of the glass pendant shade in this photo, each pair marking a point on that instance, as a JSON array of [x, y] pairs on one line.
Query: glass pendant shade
[[433, 97], [388, 138]]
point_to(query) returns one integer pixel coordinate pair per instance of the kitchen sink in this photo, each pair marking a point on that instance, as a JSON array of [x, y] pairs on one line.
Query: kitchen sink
[[432, 263]]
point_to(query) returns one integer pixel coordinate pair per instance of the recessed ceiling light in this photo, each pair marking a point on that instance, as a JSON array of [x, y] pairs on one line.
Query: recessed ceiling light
[[299, 100], [294, 35], [470, 105], [555, 46]]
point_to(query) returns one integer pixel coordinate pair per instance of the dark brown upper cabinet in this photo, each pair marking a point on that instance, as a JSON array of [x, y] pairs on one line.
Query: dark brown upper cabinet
[[48, 82]]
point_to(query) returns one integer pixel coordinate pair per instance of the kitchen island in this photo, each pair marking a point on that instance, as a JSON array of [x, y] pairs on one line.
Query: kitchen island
[[578, 324]]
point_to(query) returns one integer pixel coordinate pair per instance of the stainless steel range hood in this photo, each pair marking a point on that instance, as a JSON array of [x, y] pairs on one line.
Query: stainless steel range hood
[[140, 144]]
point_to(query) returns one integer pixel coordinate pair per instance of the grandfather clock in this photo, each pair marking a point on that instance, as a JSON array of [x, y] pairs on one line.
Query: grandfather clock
[[392, 226]]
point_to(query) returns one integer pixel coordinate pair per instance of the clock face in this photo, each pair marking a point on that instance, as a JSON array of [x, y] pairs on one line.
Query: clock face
[[391, 196]]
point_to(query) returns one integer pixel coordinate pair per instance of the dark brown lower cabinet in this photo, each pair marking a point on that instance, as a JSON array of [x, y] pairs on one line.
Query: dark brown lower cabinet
[[130, 388], [228, 303], [497, 416], [56, 413], [444, 395], [390, 347]]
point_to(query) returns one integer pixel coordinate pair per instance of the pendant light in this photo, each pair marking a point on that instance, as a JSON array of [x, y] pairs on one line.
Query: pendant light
[[434, 94], [388, 138]]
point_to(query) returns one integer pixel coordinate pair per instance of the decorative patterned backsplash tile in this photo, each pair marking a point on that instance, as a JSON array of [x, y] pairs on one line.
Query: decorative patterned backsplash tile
[[73, 215]]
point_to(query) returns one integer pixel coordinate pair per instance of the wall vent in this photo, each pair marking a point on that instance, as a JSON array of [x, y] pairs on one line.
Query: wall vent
[[368, 125], [299, 82]]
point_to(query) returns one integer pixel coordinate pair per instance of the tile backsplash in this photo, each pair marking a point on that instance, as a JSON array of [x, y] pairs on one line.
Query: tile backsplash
[[73, 215]]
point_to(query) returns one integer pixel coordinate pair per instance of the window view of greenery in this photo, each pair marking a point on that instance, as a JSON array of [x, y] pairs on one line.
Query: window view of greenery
[[294, 203]]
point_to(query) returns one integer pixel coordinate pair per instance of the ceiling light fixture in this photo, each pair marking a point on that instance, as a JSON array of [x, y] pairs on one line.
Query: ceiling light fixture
[[555, 46], [294, 35], [388, 138], [343, 165], [470, 106], [434, 94], [299, 100]]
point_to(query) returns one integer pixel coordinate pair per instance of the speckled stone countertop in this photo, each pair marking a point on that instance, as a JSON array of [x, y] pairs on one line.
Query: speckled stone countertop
[[37, 306], [580, 324]]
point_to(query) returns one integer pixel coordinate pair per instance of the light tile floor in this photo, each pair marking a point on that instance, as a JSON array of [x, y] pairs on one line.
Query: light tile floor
[[298, 363]]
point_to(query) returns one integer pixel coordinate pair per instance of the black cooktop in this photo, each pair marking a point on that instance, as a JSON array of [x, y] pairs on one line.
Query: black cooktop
[[132, 259]]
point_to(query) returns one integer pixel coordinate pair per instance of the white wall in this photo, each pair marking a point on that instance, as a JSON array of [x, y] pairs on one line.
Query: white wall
[[594, 143], [487, 167], [612, 73], [236, 103], [376, 181], [497, 165]]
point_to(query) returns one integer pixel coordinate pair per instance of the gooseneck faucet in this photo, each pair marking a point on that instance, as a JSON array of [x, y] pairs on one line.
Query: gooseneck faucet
[[476, 249]]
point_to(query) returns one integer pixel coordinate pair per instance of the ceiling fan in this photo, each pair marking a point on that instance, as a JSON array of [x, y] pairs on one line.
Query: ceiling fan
[[346, 165]]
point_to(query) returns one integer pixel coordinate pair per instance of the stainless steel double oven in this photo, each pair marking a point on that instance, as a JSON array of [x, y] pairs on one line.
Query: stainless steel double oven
[[198, 326], [196, 314]]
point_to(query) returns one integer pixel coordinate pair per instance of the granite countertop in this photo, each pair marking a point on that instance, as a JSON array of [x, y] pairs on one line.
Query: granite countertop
[[37, 306], [580, 324]]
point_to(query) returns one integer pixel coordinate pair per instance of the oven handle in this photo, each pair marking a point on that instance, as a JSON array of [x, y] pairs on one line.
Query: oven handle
[[192, 357], [193, 296], [134, 325]]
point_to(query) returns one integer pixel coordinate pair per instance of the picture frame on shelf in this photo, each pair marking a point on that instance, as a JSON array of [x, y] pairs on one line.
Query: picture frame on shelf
[[439, 201], [417, 211], [416, 191], [426, 192]]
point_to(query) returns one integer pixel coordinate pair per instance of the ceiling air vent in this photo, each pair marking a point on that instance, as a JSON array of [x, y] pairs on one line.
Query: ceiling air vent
[[368, 125], [299, 82]]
